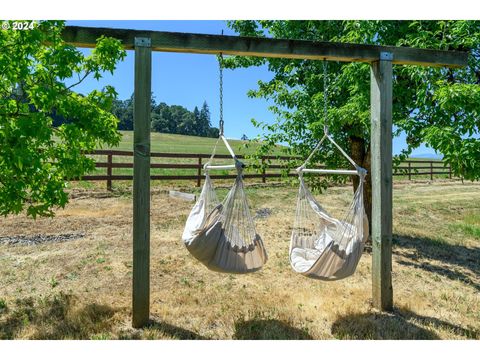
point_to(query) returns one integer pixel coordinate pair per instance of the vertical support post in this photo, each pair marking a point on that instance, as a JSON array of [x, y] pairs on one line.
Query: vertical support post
[[409, 170], [141, 183], [109, 171], [199, 172], [264, 171], [449, 171], [381, 140], [431, 170]]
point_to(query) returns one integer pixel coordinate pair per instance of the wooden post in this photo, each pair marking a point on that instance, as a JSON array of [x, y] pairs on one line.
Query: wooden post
[[409, 170], [141, 183], [109, 171], [381, 140], [431, 170], [199, 172], [449, 171], [264, 171]]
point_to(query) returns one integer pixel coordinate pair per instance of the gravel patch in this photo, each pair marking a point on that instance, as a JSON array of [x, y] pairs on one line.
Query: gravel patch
[[263, 213], [39, 239]]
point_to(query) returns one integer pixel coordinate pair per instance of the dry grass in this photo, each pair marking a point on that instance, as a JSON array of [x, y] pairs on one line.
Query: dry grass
[[82, 288]]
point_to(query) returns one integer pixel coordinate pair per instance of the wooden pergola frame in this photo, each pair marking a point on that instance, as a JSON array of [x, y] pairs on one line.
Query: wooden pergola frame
[[380, 58]]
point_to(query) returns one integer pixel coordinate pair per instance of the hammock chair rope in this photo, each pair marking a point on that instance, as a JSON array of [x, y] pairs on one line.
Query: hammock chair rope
[[322, 246], [222, 235]]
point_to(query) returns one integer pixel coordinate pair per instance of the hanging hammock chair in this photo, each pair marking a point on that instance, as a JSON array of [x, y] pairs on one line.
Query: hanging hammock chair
[[322, 246], [222, 235]]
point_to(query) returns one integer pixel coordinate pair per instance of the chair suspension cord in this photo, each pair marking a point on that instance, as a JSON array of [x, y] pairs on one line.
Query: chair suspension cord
[[327, 135], [220, 66], [325, 98], [238, 164]]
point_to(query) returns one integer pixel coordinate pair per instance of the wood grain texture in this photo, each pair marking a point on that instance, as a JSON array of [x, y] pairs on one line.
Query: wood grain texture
[[264, 47], [141, 188], [109, 171], [381, 167]]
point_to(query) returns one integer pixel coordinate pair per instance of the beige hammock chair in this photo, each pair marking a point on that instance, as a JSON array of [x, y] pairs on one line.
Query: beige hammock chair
[[222, 236], [322, 246]]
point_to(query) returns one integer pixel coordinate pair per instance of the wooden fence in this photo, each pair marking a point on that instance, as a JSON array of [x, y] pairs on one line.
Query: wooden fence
[[198, 166], [407, 168], [434, 167]]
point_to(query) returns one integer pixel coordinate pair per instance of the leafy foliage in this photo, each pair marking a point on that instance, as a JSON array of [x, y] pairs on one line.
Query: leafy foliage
[[168, 119], [36, 87], [436, 106]]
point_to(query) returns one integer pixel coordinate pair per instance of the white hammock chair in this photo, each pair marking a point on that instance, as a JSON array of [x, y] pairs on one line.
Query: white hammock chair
[[222, 235], [321, 246]]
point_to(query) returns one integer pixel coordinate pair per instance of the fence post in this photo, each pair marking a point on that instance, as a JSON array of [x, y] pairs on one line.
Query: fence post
[[450, 171], [409, 170], [431, 170], [199, 171], [109, 171], [264, 171]]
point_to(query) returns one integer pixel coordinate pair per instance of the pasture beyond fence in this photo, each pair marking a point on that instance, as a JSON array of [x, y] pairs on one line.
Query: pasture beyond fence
[[189, 167]]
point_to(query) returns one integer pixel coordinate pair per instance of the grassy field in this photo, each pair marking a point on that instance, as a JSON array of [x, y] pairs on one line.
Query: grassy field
[[172, 143], [80, 289], [181, 144]]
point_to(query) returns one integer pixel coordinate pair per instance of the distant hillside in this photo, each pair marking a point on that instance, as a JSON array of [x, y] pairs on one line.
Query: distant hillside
[[168, 119], [173, 143], [432, 156]]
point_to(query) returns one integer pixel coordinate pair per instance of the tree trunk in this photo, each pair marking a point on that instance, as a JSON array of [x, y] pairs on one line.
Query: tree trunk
[[360, 153]]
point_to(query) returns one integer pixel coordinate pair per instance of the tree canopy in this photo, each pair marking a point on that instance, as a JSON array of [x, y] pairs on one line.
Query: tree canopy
[[435, 106], [38, 76], [169, 119]]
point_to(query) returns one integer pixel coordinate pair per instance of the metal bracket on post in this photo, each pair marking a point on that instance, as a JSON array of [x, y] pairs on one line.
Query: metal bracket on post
[[381, 177], [141, 41], [386, 56]]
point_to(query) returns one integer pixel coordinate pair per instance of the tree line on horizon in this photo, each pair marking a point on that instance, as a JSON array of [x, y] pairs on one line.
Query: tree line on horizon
[[168, 119]]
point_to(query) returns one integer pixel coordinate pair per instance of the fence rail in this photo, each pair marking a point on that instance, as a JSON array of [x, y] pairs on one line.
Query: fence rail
[[407, 168]]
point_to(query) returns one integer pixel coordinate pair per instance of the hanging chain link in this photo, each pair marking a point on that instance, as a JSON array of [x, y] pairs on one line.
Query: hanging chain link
[[325, 98], [220, 66]]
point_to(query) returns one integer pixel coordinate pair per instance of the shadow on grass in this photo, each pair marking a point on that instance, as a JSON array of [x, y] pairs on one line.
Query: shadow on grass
[[269, 329], [464, 259], [400, 325], [55, 317], [171, 331]]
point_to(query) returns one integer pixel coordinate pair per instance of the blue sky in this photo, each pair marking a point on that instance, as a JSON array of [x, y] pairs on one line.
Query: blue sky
[[190, 79]]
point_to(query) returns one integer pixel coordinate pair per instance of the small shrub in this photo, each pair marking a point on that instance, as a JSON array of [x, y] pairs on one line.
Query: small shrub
[[101, 336], [53, 282], [184, 281], [3, 305]]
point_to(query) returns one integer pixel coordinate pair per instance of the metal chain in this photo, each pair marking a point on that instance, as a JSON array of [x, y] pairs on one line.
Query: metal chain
[[325, 98], [220, 66]]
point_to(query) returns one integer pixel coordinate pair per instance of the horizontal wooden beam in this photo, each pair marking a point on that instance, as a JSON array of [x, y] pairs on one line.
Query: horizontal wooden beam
[[186, 155], [180, 177], [264, 47]]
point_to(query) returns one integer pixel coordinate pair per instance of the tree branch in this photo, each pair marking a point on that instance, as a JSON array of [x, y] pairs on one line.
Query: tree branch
[[78, 82]]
